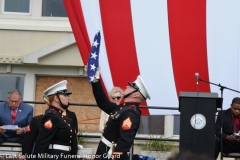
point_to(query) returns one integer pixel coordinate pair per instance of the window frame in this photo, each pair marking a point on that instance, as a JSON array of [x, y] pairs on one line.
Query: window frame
[[51, 15], [17, 13]]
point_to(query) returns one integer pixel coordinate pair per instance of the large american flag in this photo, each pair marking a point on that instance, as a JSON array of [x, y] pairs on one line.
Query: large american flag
[[165, 41]]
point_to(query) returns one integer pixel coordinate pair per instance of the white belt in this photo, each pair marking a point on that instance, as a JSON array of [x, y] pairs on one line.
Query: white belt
[[109, 144], [59, 147]]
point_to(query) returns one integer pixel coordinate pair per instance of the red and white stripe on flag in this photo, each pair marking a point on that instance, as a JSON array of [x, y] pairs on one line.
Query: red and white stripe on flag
[[166, 42]]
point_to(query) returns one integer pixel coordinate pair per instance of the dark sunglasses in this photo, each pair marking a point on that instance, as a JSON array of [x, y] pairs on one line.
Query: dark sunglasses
[[116, 98]]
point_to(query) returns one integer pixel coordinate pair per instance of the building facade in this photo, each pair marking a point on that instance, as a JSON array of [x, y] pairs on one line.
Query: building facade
[[38, 49]]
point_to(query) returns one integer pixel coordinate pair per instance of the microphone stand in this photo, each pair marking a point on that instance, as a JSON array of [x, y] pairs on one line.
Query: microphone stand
[[221, 89]]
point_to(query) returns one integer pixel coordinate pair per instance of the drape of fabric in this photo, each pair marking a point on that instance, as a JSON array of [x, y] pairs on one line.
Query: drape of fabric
[[75, 16], [14, 114], [77, 21]]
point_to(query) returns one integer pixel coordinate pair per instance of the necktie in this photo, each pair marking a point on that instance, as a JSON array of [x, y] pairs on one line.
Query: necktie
[[14, 113], [234, 125]]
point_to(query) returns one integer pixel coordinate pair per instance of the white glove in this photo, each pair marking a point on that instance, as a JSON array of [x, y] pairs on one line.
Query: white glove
[[97, 74], [85, 69], [80, 146]]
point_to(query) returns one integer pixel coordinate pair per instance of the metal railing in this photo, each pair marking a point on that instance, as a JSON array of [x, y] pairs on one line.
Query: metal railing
[[95, 105], [136, 138]]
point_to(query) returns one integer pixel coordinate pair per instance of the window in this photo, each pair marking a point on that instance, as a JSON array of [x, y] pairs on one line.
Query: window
[[53, 8], [152, 124], [17, 6], [176, 125], [10, 82]]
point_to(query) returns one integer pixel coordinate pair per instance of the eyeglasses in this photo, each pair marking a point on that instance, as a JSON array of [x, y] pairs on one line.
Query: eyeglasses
[[113, 98]]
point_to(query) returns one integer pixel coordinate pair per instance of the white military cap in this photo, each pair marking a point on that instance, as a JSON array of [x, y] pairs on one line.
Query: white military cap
[[139, 84], [58, 88]]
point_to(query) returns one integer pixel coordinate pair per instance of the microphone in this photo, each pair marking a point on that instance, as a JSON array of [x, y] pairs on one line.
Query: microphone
[[196, 75]]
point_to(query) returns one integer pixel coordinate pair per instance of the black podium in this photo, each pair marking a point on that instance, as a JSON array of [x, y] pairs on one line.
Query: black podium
[[197, 122]]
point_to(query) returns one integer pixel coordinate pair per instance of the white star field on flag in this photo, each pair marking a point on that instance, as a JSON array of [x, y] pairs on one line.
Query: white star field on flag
[[93, 59]]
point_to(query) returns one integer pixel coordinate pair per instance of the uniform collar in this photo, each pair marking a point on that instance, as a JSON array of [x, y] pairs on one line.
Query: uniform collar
[[55, 109]]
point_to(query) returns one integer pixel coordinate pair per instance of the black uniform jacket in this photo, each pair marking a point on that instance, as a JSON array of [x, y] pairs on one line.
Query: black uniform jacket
[[227, 128], [73, 116], [30, 136], [122, 124], [56, 129], [32, 131]]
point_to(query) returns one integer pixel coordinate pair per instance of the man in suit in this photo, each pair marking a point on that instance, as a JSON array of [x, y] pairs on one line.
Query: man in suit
[[14, 118], [231, 126]]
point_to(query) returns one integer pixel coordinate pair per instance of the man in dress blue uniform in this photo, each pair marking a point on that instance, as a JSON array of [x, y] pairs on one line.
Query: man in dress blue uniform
[[124, 120], [57, 135], [33, 128]]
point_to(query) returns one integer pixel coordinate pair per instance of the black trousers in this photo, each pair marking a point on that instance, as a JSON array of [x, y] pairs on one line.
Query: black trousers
[[228, 147], [13, 139], [102, 153]]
